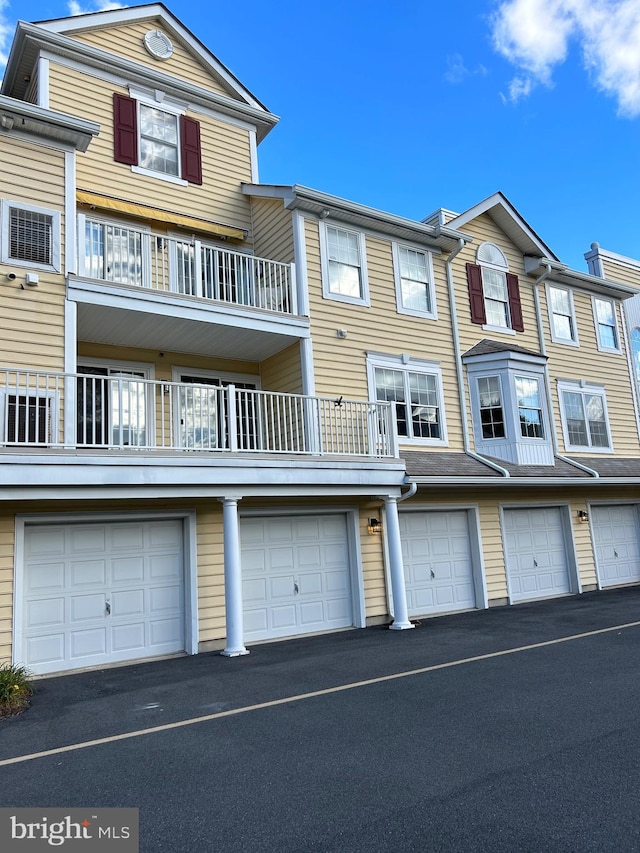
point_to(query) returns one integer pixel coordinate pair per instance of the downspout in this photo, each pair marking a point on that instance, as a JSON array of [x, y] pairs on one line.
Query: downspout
[[413, 488], [547, 385], [462, 398]]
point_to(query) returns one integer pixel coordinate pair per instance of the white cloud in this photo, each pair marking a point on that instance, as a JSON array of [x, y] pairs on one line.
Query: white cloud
[[535, 36], [6, 31], [457, 72], [97, 6]]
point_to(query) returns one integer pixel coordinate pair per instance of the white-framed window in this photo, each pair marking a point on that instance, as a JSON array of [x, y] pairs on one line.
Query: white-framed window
[[416, 389], [494, 267], [529, 403], [344, 264], [114, 251], [491, 408], [159, 139], [635, 349], [30, 236], [585, 420], [604, 315], [562, 316], [413, 271]]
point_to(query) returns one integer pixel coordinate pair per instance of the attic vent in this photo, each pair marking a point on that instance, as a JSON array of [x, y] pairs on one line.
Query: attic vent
[[158, 44]]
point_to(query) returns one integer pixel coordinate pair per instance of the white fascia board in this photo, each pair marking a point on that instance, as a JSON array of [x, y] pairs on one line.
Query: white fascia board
[[499, 200], [518, 482], [623, 260], [152, 12], [50, 124], [135, 72], [594, 284]]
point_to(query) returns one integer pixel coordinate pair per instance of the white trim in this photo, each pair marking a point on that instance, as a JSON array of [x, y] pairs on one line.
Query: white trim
[[502, 330], [70, 226], [363, 299], [601, 348], [300, 255], [195, 106], [43, 82], [151, 13], [225, 376], [189, 523], [410, 365], [6, 205], [582, 387], [306, 367], [575, 341], [70, 367], [253, 154], [430, 283]]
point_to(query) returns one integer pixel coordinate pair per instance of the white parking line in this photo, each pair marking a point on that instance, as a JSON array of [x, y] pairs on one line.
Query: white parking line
[[327, 691]]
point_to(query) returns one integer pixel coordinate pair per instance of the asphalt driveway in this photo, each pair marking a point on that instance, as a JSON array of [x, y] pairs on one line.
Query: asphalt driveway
[[480, 731]]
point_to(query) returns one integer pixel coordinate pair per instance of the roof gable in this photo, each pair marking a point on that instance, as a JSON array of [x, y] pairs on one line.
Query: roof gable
[[507, 218]]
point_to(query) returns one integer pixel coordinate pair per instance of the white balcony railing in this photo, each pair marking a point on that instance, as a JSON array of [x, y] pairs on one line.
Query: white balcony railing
[[120, 411], [140, 258]]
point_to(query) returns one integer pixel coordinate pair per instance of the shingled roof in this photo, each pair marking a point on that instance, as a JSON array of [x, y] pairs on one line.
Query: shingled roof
[[487, 347]]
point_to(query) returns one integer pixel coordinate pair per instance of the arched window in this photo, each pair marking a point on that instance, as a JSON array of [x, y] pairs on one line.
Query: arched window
[[494, 293]]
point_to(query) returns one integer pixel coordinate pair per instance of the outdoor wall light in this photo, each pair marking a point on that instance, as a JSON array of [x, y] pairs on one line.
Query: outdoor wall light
[[583, 515], [374, 526]]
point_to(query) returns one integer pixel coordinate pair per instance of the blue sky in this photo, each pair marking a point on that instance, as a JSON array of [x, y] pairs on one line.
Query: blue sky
[[412, 105]]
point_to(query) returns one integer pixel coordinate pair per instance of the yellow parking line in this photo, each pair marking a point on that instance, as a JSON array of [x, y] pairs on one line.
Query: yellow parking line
[[327, 691]]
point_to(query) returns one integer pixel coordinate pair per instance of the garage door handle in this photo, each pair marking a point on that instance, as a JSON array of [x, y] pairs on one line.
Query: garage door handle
[[296, 588], [108, 607], [535, 563], [433, 574]]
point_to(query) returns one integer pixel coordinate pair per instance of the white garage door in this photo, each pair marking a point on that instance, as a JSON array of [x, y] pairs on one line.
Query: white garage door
[[295, 575], [616, 536], [101, 593], [536, 553], [436, 554]]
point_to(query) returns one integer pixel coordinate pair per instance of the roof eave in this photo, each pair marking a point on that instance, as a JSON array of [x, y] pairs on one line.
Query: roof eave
[[49, 124]]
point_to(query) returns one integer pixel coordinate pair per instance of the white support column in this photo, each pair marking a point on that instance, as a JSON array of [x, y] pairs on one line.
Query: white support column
[[396, 568], [70, 367], [232, 579]]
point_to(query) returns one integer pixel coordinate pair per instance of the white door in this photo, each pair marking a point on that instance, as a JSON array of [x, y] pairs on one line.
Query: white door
[[536, 554], [436, 554], [295, 575], [616, 539], [101, 593]]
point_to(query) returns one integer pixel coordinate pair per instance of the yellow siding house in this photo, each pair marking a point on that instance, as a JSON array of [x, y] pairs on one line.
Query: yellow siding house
[[233, 412]]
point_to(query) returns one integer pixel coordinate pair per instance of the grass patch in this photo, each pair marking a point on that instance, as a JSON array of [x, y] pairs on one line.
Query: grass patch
[[15, 689]]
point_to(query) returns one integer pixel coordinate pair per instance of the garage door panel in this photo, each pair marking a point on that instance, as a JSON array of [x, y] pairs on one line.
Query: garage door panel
[[536, 553], [314, 594], [437, 560], [137, 586], [616, 537], [47, 541], [127, 570]]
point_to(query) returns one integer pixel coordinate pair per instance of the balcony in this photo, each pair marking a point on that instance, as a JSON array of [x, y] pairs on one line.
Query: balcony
[[123, 412], [138, 288]]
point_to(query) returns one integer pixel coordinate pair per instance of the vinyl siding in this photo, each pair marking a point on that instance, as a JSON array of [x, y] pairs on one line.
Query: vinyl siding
[[33, 324], [282, 372], [340, 364], [272, 230], [617, 270], [210, 547], [586, 362], [226, 157], [7, 536], [127, 42], [373, 575]]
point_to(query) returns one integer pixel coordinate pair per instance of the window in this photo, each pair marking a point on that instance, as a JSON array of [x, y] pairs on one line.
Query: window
[[344, 264], [30, 236], [491, 411], [157, 139], [529, 407], [113, 252], [494, 293], [561, 315], [584, 415], [635, 347], [604, 311], [417, 392], [414, 281], [114, 405]]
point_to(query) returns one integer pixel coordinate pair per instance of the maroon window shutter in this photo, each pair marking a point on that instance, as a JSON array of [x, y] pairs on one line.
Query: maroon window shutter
[[191, 152], [125, 130], [476, 295], [515, 305]]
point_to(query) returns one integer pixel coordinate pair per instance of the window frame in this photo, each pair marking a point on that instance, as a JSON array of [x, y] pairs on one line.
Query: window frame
[[617, 350], [166, 106], [498, 377], [6, 207], [327, 293], [540, 408], [432, 314], [407, 365], [583, 388], [574, 341]]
